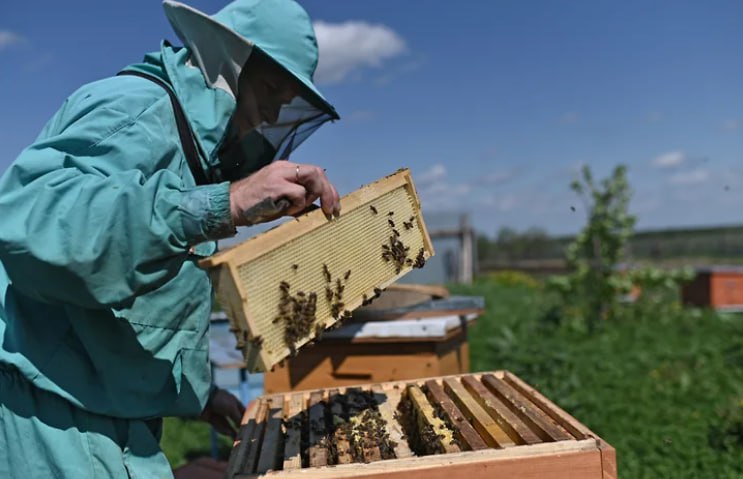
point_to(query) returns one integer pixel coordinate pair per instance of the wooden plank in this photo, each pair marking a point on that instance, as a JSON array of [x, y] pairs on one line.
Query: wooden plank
[[534, 417], [239, 448], [608, 460], [273, 438], [343, 453], [294, 420], [462, 428], [318, 449], [506, 419], [564, 460], [490, 431], [551, 409], [387, 402], [427, 419], [252, 444], [357, 404]]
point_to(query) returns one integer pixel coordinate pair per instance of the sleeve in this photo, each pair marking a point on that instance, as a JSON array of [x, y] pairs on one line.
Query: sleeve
[[90, 216]]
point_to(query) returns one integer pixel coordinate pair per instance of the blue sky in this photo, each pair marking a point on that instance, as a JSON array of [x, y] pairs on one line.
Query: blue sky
[[493, 105]]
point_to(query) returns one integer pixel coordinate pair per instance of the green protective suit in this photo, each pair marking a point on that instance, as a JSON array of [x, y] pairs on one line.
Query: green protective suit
[[104, 313]]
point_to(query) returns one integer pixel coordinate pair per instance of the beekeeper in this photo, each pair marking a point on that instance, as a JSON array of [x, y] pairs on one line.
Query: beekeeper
[[104, 313]]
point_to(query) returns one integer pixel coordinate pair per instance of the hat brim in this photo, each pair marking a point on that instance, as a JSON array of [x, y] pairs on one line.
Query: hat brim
[[189, 23]]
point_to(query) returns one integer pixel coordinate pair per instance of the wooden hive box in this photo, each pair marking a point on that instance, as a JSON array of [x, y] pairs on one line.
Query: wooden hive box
[[283, 287], [475, 426], [391, 343], [718, 287]]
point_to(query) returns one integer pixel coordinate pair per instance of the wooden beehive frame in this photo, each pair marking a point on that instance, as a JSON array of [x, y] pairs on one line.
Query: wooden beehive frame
[[504, 428], [247, 277]]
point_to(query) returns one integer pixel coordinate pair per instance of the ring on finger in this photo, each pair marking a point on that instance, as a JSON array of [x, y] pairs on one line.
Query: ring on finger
[[297, 173]]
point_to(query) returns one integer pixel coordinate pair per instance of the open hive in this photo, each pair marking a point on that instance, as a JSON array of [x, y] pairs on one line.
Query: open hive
[[473, 425], [282, 288]]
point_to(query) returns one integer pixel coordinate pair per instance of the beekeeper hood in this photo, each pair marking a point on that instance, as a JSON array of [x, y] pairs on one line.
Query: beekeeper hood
[[263, 53]]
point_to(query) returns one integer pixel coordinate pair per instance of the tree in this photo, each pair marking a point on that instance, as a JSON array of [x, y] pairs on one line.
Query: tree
[[596, 253]]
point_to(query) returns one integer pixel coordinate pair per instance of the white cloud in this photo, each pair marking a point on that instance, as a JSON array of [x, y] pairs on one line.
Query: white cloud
[[348, 46], [435, 173], [691, 177], [569, 117], [8, 38], [671, 159]]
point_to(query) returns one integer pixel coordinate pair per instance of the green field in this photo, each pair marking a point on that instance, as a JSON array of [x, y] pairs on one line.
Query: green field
[[664, 388]]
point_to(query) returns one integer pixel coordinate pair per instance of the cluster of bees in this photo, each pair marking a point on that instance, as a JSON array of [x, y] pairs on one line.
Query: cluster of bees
[[297, 313], [334, 293], [360, 422], [421, 436], [395, 251]]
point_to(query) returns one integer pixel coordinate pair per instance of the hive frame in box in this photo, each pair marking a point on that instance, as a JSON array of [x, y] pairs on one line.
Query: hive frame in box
[[270, 258], [573, 451]]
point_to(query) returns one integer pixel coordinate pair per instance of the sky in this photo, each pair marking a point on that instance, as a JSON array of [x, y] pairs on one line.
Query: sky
[[494, 106]]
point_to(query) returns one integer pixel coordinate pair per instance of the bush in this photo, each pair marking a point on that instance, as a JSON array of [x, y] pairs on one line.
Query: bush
[[513, 278]]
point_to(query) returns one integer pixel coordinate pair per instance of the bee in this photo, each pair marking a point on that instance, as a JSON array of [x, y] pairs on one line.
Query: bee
[[377, 292], [373, 209], [396, 233], [328, 293], [295, 267], [347, 275], [258, 341], [408, 225], [326, 272], [391, 223], [390, 213], [284, 286]]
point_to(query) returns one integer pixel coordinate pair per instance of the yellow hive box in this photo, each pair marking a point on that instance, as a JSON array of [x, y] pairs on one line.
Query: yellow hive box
[[283, 287]]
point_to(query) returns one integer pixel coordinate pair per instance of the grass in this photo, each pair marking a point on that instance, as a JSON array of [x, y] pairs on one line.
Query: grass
[[663, 387]]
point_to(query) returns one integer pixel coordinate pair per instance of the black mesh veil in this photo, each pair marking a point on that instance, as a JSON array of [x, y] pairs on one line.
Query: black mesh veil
[[286, 111]]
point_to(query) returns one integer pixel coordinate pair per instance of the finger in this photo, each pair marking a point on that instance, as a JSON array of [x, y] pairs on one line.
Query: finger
[[318, 186], [296, 194]]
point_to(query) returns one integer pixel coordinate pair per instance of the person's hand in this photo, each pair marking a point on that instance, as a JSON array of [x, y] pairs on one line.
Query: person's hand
[[224, 412], [252, 198]]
